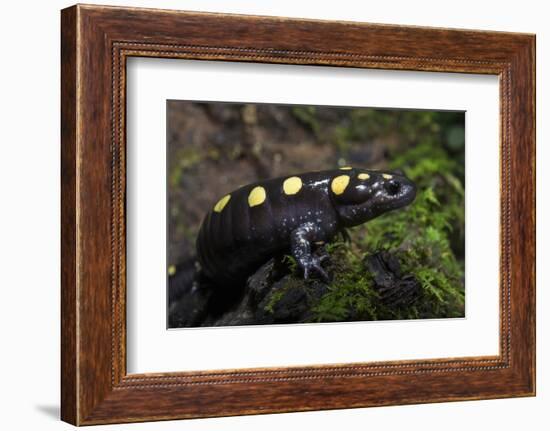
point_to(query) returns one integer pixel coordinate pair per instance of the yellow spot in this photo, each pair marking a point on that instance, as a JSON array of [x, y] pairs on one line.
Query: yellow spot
[[171, 270], [256, 196], [387, 176], [292, 185], [222, 203], [363, 176], [339, 184], [345, 168]]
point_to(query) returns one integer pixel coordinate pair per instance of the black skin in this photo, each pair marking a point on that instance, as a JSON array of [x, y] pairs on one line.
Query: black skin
[[235, 241]]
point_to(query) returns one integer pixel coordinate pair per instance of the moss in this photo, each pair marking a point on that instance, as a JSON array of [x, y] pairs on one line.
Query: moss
[[278, 294], [292, 282], [419, 237], [351, 293], [291, 263], [423, 234]]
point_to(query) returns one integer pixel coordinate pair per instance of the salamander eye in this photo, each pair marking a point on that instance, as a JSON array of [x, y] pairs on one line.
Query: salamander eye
[[392, 187]]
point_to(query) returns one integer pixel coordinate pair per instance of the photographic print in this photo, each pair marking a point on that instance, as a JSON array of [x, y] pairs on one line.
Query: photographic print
[[195, 219], [287, 214]]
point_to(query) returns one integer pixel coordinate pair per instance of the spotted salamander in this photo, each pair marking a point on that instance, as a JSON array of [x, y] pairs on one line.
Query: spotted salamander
[[248, 226]]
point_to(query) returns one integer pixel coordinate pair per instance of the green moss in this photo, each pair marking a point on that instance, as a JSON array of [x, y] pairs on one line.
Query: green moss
[[279, 293], [419, 237], [351, 293], [291, 263], [422, 235]]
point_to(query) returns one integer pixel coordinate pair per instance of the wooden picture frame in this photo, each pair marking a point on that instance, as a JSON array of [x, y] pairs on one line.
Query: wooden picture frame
[[96, 41]]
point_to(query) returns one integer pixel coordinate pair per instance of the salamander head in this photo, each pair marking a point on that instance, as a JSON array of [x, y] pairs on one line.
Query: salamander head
[[360, 195]]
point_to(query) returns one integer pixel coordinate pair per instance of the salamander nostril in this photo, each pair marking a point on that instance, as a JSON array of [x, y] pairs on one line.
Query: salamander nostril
[[392, 187]]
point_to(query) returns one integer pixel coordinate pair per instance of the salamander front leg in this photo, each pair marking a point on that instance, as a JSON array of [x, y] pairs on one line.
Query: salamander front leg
[[300, 245]]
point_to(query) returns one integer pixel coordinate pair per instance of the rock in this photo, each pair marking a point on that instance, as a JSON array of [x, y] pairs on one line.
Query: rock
[[261, 282], [292, 306], [271, 295], [190, 306], [181, 280], [249, 308], [395, 290]]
